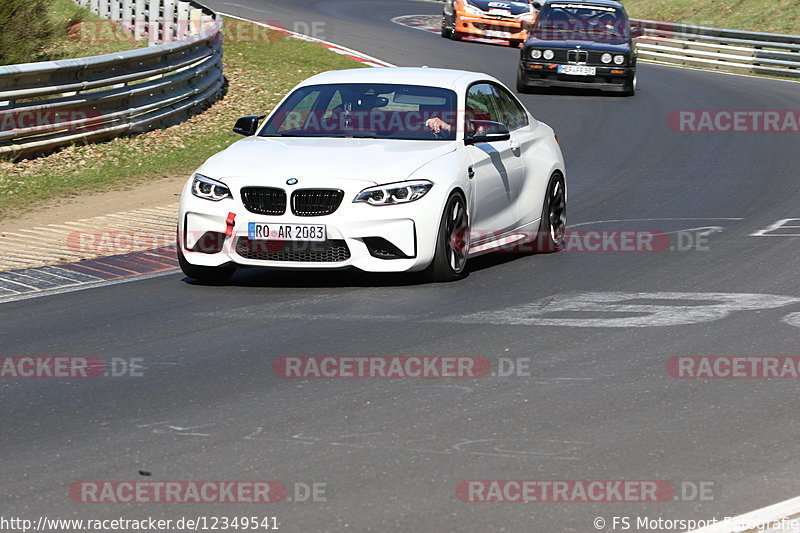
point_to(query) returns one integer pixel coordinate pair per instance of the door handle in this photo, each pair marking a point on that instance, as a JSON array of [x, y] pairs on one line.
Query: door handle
[[470, 172]]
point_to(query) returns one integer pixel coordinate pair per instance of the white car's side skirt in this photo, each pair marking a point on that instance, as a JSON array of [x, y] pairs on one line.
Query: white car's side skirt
[[496, 242]]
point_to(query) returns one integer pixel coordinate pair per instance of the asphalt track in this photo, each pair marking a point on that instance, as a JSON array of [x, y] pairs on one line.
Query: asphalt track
[[598, 405]]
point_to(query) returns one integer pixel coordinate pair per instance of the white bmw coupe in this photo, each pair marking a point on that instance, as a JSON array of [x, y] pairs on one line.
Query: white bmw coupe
[[379, 169]]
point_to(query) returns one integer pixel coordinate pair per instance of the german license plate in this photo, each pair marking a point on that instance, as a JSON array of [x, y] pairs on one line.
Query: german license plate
[[286, 232], [577, 70], [497, 34]]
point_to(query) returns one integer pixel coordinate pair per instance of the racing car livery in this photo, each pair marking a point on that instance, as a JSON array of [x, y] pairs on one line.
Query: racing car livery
[[506, 20]]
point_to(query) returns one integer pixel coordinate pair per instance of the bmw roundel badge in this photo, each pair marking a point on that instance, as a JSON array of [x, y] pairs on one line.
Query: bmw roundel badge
[[291, 181]]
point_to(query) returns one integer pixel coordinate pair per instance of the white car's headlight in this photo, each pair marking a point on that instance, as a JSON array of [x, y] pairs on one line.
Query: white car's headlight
[[208, 189], [619, 59], [605, 58], [394, 193], [472, 10]]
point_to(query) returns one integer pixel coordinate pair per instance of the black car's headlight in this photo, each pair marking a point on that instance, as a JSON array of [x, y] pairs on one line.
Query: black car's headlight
[[620, 59], [394, 193], [535, 53], [208, 189]]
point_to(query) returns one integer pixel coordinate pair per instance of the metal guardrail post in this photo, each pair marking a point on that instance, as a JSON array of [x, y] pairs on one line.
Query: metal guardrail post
[[127, 17], [183, 19], [105, 9], [195, 21], [139, 20], [154, 22], [169, 32]]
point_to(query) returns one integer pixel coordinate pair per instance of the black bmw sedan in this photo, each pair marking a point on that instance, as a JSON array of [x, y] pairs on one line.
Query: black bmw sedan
[[584, 44]]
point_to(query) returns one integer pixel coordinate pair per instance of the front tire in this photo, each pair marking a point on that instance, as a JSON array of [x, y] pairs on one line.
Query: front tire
[[630, 86], [447, 33], [205, 274], [553, 224], [522, 88], [452, 242], [454, 35]]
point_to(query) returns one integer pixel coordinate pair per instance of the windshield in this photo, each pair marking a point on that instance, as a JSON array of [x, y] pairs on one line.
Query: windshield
[[564, 21], [384, 111], [501, 8]]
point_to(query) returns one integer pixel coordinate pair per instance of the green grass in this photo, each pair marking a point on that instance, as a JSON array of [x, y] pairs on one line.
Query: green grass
[[81, 33], [65, 31], [772, 16], [259, 72]]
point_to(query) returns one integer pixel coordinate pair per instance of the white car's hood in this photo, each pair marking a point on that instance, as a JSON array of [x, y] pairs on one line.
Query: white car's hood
[[373, 160]]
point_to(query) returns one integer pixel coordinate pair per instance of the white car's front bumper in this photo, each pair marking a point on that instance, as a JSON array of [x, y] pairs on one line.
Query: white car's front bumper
[[216, 234]]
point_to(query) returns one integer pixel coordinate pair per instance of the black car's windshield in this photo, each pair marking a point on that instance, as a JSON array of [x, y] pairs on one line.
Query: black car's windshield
[[566, 21], [364, 110]]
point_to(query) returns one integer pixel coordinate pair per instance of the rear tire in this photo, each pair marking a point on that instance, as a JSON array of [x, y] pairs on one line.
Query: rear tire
[[204, 273], [553, 224], [452, 242]]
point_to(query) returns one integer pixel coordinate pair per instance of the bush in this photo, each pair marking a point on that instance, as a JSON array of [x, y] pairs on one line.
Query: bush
[[26, 29]]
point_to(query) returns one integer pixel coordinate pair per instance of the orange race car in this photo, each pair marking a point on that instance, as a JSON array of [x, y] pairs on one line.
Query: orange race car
[[493, 19]]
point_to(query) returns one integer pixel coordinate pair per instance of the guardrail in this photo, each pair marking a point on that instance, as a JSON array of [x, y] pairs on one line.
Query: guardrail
[[743, 52], [51, 104]]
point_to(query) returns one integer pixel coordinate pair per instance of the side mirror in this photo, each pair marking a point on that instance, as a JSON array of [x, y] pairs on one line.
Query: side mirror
[[486, 131], [248, 125], [636, 31]]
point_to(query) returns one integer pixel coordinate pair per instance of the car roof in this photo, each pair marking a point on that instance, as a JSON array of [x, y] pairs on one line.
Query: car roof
[[610, 3], [428, 77]]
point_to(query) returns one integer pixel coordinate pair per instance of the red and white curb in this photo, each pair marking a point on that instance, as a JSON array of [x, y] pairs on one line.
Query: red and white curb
[[333, 47]]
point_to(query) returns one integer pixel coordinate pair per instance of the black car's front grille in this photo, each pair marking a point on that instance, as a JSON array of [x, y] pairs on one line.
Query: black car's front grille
[[264, 200], [316, 202], [331, 251], [578, 56]]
